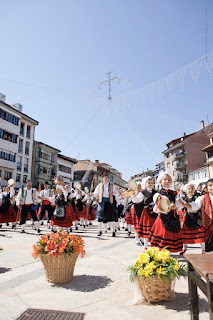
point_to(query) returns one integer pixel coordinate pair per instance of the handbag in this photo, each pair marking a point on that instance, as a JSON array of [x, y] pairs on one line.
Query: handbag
[[59, 212]]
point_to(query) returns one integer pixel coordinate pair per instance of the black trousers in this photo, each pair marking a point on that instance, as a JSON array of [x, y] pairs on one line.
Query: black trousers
[[49, 209], [24, 211]]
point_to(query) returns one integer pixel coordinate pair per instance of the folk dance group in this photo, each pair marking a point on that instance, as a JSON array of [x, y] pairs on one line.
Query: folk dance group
[[162, 218], [63, 208], [185, 218]]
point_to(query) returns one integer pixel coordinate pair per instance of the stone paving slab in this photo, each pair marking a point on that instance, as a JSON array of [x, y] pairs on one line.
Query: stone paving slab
[[100, 287]]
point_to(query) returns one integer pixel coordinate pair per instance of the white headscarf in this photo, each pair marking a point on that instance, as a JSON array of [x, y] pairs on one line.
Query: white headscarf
[[186, 186], [161, 175], [144, 181]]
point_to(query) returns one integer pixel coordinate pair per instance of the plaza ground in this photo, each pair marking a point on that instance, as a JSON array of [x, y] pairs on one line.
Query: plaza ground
[[100, 287]]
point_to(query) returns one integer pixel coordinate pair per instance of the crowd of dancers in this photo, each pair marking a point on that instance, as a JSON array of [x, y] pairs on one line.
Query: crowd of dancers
[[162, 218]]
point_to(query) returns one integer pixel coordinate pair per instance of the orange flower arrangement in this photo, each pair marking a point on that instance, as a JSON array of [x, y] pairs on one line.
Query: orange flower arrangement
[[55, 244]]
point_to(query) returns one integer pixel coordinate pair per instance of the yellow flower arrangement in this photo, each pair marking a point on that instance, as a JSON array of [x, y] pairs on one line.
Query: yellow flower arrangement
[[158, 262]]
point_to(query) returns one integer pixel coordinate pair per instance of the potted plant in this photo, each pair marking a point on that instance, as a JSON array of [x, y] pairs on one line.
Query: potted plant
[[155, 271], [58, 253]]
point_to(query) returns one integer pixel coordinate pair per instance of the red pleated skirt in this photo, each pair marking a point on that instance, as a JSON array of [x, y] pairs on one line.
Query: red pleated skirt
[[195, 235], [10, 216], [128, 217], [135, 219], [160, 237], [180, 215], [65, 222], [83, 213], [76, 214], [145, 224]]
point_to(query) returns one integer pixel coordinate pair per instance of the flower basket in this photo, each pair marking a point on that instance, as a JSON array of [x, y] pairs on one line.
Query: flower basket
[[156, 271], [58, 253], [59, 269], [154, 289]]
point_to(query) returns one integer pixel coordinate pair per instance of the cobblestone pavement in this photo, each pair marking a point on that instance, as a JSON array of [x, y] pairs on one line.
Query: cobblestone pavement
[[100, 287]]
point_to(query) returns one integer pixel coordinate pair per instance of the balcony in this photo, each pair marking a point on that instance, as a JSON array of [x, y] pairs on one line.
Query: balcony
[[180, 154], [27, 151], [26, 168], [181, 166], [28, 135]]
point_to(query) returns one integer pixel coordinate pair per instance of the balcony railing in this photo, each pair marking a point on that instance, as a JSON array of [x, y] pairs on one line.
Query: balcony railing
[[181, 165]]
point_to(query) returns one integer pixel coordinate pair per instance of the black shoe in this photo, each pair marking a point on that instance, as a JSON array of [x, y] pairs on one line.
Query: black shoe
[[119, 228], [126, 229], [7, 224], [123, 228], [0, 225], [113, 234], [38, 230], [99, 233], [23, 231], [81, 225], [90, 224], [138, 243], [76, 228], [70, 229], [42, 223], [52, 230], [13, 226], [129, 233], [108, 228], [84, 226], [115, 230]]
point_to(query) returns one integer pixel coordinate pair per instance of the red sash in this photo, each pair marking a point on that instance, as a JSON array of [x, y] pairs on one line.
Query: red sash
[[45, 202]]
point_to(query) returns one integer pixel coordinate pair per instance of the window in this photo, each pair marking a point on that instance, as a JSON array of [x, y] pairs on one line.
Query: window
[[8, 117], [8, 136], [37, 153], [20, 146], [7, 156], [7, 175], [64, 169], [22, 129], [168, 165], [50, 156], [24, 179], [18, 177], [28, 132], [27, 147], [210, 154], [25, 167]]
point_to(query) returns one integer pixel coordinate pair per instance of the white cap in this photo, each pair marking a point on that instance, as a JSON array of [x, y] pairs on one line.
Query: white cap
[[162, 174], [144, 181]]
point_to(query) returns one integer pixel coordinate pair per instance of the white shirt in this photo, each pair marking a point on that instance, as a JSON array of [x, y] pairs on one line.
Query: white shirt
[[198, 202], [105, 191], [46, 193], [29, 196], [137, 198]]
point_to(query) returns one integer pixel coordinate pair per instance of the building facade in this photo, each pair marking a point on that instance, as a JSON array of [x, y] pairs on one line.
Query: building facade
[[184, 155], [209, 156], [87, 174], [44, 165], [16, 144], [65, 168]]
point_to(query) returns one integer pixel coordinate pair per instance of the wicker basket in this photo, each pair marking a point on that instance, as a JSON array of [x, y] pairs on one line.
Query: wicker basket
[[59, 269], [154, 289]]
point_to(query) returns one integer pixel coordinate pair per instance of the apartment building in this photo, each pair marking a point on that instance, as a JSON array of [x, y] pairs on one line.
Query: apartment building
[[16, 143], [209, 156], [65, 168], [44, 165]]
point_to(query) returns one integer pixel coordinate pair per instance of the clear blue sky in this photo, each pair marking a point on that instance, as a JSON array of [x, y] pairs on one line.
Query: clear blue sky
[[70, 45]]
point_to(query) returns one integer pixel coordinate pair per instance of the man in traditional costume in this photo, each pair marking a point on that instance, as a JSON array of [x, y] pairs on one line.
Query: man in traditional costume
[[105, 212], [26, 201], [46, 205]]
